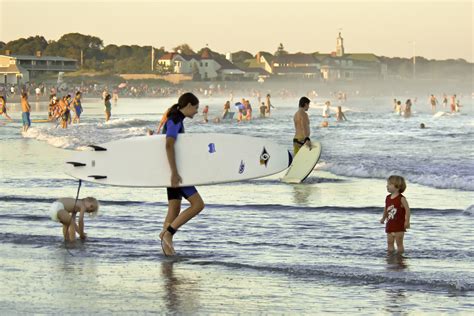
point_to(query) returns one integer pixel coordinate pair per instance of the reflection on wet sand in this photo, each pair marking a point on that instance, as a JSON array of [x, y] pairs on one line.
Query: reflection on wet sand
[[302, 193], [181, 293], [396, 262]]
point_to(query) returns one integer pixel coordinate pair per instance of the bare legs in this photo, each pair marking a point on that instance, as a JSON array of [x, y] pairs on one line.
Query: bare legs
[[175, 218], [69, 231], [397, 238]]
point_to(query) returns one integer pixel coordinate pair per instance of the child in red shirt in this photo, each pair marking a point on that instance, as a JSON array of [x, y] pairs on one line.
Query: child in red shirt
[[396, 212]]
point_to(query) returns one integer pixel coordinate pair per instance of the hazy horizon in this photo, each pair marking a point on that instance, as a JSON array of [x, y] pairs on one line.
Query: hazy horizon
[[441, 30]]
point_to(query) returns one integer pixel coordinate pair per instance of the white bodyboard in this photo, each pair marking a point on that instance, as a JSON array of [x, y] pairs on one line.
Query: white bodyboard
[[200, 158], [303, 163]]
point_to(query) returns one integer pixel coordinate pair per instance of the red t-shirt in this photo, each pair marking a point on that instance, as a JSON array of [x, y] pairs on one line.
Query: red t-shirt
[[396, 214]]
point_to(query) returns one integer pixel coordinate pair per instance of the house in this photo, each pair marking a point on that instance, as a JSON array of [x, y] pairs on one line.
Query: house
[[296, 65], [341, 66], [22, 68], [208, 65]]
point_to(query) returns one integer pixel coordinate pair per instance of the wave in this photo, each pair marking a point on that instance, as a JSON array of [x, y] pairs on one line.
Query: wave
[[450, 180], [353, 275], [81, 135], [122, 122], [260, 207]]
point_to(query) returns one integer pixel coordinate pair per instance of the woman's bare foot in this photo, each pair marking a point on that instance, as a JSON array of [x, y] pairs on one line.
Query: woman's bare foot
[[167, 243]]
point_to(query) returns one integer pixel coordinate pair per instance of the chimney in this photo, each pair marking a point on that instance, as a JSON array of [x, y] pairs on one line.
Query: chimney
[[258, 56], [38, 53], [8, 52]]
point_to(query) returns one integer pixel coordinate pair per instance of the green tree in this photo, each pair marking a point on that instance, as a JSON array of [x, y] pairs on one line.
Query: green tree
[[27, 46], [241, 56], [185, 49]]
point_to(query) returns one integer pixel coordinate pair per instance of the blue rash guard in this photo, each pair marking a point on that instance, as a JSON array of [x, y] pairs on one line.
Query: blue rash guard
[[174, 126]]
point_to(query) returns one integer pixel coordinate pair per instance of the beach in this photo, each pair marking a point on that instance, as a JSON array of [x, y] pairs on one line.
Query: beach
[[260, 246]]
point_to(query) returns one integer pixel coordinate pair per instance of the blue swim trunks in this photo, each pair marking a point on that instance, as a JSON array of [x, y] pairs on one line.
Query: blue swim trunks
[[25, 118], [179, 193]]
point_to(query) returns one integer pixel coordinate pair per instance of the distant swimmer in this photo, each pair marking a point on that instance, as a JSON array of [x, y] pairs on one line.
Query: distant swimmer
[[327, 109], [65, 110], [64, 210], [108, 107], [445, 100], [3, 108], [187, 106], [453, 103], [433, 102], [340, 116], [77, 107], [398, 108], [226, 110], [302, 129], [268, 105], [115, 96], [407, 112], [205, 113]]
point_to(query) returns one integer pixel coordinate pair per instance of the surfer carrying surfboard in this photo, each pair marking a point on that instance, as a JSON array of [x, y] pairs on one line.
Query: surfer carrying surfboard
[[187, 106], [302, 130]]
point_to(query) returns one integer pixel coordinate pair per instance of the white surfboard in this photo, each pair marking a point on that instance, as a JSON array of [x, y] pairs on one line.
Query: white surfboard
[[303, 163], [201, 159]]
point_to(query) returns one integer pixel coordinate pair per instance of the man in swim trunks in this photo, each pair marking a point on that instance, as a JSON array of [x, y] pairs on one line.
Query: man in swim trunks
[[25, 111], [302, 130]]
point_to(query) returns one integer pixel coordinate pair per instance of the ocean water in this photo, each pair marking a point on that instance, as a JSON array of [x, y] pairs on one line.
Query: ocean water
[[260, 246]]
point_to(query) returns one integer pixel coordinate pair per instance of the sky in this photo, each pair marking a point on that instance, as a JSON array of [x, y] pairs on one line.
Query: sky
[[432, 29]]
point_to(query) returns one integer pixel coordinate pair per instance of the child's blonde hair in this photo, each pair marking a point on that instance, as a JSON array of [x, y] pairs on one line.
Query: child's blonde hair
[[96, 206], [398, 182]]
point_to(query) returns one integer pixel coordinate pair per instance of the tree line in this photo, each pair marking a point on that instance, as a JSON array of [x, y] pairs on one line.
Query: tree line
[[116, 59]]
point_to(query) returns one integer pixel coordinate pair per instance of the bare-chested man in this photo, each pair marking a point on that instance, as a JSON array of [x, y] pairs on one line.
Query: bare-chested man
[[25, 111], [302, 130]]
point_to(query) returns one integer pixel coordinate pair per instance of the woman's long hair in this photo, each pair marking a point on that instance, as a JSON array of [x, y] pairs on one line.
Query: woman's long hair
[[184, 100]]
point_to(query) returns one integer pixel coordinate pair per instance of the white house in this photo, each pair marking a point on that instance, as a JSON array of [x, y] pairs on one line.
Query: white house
[[207, 65]]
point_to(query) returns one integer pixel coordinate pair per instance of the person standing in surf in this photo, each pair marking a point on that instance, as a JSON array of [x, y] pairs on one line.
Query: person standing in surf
[[302, 130], [3, 108], [108, 107], [187, 106], [25, 112], [77, 106], [396, 213]]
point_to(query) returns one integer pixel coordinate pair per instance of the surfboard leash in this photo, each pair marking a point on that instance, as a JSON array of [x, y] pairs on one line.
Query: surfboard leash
[[73, 219]]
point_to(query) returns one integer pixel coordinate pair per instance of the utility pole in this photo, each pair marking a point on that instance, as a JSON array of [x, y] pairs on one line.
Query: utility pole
[[152, 59], [82, 58]]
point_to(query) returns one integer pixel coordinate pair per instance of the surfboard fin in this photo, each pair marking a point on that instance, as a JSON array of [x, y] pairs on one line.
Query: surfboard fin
[[97, 148], [97, 177], [76, 164], [290, 158]]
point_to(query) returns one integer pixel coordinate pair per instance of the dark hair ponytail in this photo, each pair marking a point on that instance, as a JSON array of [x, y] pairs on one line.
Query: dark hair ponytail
[[184, 100]]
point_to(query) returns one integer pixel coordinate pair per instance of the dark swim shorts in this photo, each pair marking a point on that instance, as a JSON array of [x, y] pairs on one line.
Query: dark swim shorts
[[179, 193]]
